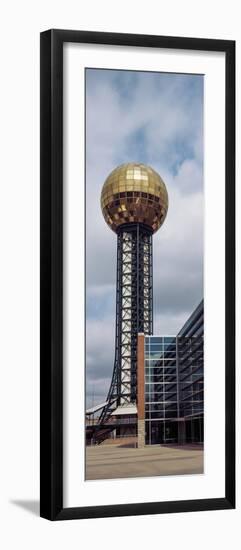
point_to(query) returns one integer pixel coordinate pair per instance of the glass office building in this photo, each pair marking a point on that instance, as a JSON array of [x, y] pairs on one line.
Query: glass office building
[[190, 369], [161, 403], [170, 407]]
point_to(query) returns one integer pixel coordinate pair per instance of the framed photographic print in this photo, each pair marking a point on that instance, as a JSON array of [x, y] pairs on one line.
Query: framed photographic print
[[137, 274]]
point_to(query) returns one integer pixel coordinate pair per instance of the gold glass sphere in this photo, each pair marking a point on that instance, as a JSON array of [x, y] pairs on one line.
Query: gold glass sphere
[[134, 193]]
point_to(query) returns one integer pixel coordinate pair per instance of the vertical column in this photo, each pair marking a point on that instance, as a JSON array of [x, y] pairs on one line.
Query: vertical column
[[134, 299], [133, 306], [141, 293], [141, 390], [125, 320]]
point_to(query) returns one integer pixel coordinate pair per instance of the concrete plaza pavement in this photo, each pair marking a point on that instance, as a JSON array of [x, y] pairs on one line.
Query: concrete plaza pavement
[[110, 462]]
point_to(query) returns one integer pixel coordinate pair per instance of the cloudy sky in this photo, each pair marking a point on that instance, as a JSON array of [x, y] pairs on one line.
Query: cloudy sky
[[155, 118]]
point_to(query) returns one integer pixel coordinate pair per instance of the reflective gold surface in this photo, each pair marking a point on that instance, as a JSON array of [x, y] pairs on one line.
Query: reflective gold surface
[[134, 193]]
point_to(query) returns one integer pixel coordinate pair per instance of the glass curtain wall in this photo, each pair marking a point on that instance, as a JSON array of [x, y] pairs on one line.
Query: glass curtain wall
[[174, 384], [191, 375], [160, 390]]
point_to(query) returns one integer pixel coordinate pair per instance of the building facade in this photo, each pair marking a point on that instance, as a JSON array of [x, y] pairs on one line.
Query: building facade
[[190, 369], [170, 399]]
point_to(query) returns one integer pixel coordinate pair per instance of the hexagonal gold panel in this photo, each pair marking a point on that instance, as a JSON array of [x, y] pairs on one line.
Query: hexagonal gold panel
[[134, 193]]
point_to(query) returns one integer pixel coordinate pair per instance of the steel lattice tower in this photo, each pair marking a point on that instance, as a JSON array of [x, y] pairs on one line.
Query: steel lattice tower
[[134, 203]]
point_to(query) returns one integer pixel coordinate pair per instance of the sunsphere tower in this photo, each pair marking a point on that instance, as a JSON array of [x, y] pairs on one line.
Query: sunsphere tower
[[134, 203]]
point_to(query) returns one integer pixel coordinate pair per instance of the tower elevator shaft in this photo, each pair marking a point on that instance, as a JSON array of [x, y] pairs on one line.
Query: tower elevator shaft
[[134, 310]]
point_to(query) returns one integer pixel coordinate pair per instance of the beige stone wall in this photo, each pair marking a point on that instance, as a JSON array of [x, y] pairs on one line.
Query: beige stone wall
[[141, 433], [141, 390], [141, 376]]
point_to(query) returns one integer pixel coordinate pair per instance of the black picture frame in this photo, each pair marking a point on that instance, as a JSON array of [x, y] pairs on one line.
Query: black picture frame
[[51, 325]]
